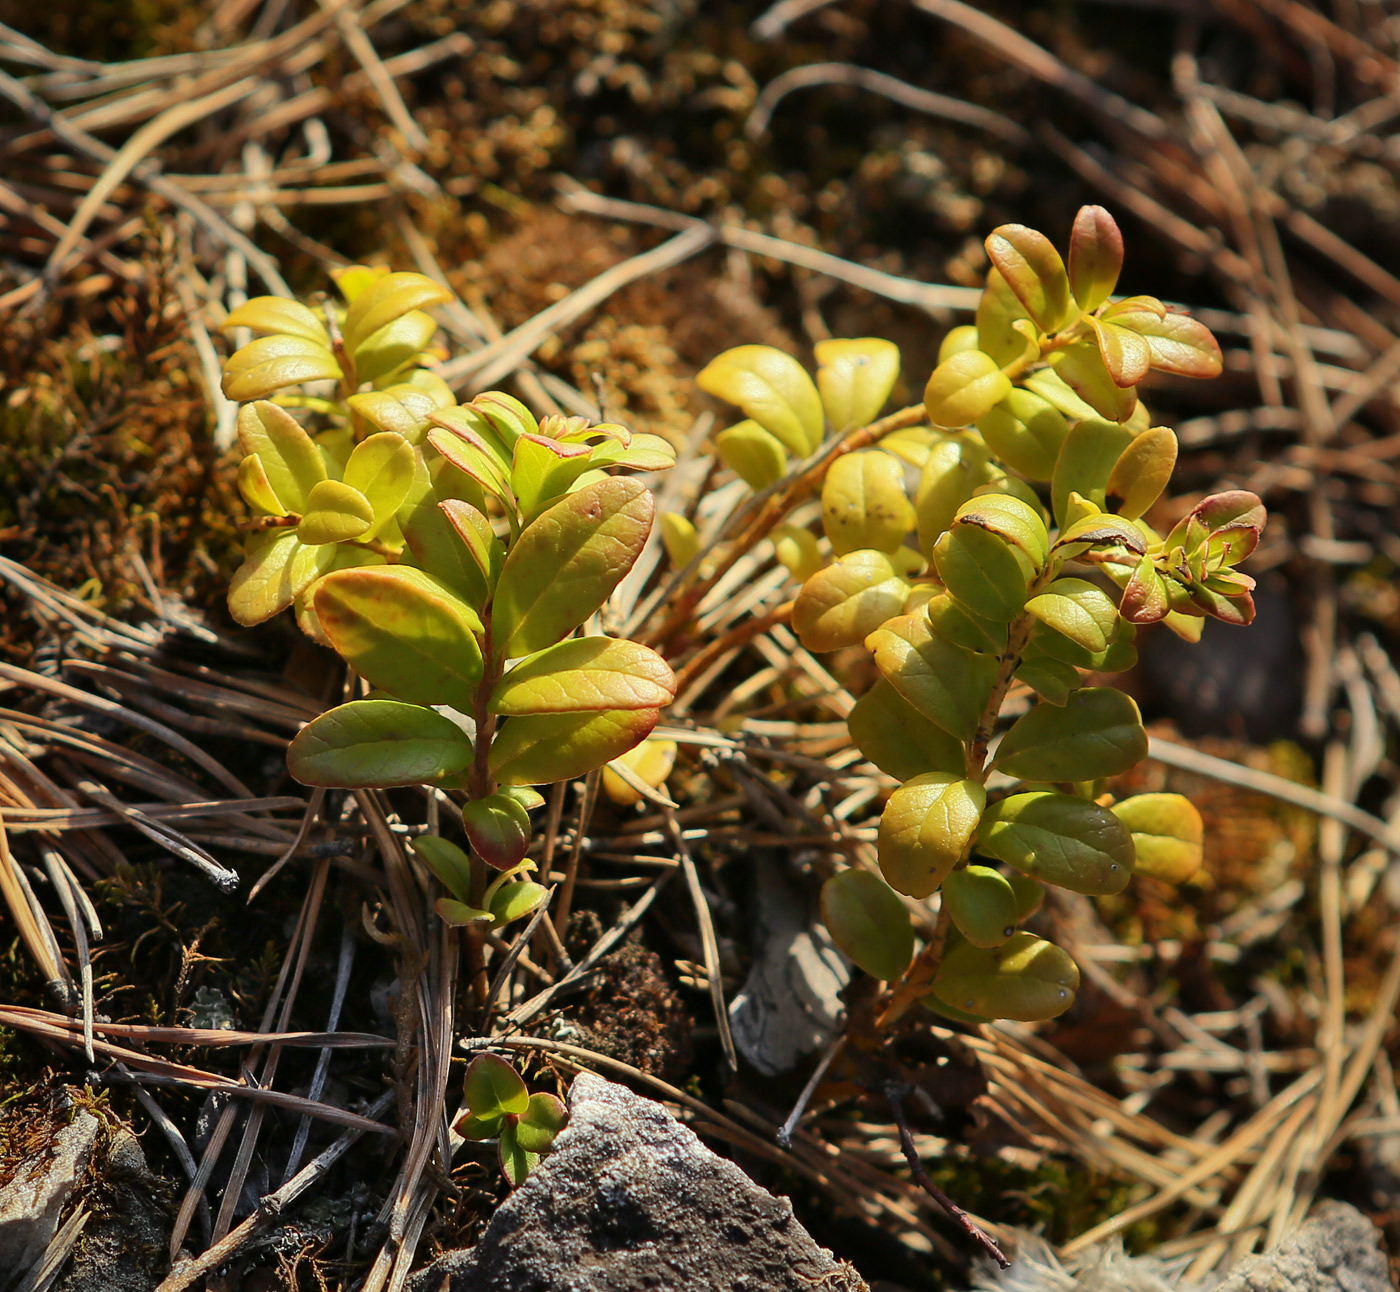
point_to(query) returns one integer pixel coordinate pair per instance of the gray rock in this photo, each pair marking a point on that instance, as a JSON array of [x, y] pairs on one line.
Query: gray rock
[[629, 1200], [33, 1199], [1337, 1250]]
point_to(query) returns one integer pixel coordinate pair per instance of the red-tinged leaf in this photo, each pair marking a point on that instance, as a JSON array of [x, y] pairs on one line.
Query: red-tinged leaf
[[1032, 268], [498, 827], [1082, 369], [586, 675], [1133, 305], [476, 534], [1125, 354], [1095, 256], [567, 561], [468, 452], [374, 744], [541, 1122], [1144, 600], [544, 468], [492, 1088], [542, 748], [1236, 609], [1179, 343]]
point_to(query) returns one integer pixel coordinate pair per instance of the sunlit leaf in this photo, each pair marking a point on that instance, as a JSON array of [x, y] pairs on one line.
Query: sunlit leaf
[[773, 389], [586, 674], [1125, 354], [1086, 461], [981, 904], [1081, 367], [289, 456], [381, 468], [270, 363], [1051, 679], [948, 685], [925, 830], [952, 473], [898, 739], [1145, 598], [498, 828], [998, 312], [541, 1122], [1095, 256], [651, 762], [387, 299], [405, 632], [680, 538], [842, 604], [1033, 270], [334, 513], [277, 314], [864, 503], [1178, 343], [855, 378], [1025, 432], [514, 901], [567, 561], [544, 470], [1026, 979], [547, 747], [1167, 834], [278, 568], [1097, 733], [757, 457], [983, 571], [1143, 470], [798, 551], [1080, 610], [868, 922], [1060, 839], [460, 914], [378, 743], [492, 1088], [965, 387], [516, 1161], [507, 417], [394, 345], [953, 620], [257, 489]]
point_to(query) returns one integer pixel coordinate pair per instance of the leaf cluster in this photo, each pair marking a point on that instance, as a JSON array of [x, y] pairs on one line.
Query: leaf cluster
[[989, 560], [500, 1107]]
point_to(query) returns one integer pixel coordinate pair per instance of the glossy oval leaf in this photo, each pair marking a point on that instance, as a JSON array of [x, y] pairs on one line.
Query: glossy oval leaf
[[381, 467], [289, 456], [952, 620], [1025, 432], [1095, 257], [404, 632], [1051, 679], [516, 900], [278, 568], [257, 489], [542, 748], [1032, 269], [651, 762], [798, 551], [498, 827], [271, 363], [842, 604], [451, 865], [854, 378], [494, 1089], [335, 512], [981, 904], [864, 503], [925, 830], [1059, 839], [1026, 979], [1142, 471], [965, 387], [278, 314], [983, 571], [1097, 733], [389, 298], [567, 561], [868, 922], [756, 456], [373, 744], [773, 389], [948, 685], [1081, 367], [1167, 833], [1178, 343], [1078, 609], [998, 313], [541, 1122], [1086, 461], [586, 674], [898, 739]]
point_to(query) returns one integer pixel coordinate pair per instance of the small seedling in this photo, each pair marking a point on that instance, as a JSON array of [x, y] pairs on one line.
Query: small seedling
[[500, 1107]]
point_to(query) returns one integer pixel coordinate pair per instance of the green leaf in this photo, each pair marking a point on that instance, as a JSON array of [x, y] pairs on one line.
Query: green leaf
[[898, 739], [1026, 979], [842, 604], [567, 561], [948, 685], [868, 922], [404, 632], [1097, 733], [387, 299], [289, 456], [507, 417], [1025, 432], [469, 453], [1030, 895], [680, 538], [1081, 367], [586, 674], [459, 914], [998, 312], [641, 453], [257, 489], [925, 829], [381, 467], [499, 829], [983, 571], [270, 363], [541, 1122], [546, 747], [1125, 354], [1120, 653], [372, 744], [798, 551], [953, 620], [516, 1161], [753, 454], [544, 470], [1059, 839], [334, 512], [1050, 679], [964, 388], [477, 1128], [516, 900], [278, 314], [405, 408], [981, 904], [492, 1088], [446, 860], [278, 568], [1095, 257], [855, 378], [1086, 461], [1100, 536], [1018, 521], [954, 470], [1080, 610], [1178, 343], [864, 503], [1033, 270], [958, 339], [773, 389], [1167, 834], [395, 344], [1143, 470]]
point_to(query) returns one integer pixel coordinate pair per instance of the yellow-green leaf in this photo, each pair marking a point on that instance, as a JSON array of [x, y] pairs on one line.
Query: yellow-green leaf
[[381, 468], [983, 571], [269, 363], [773, 389], [953, 620], [546, 747], [1142, 471], [1049, 678], [257, 489], [680, 538], [277, 314], [952, 473], [395, 344], [567, 561], [1079, 609], [387, 299], [864, 503], [925, 830], [948, 685], [1167, 834], [898, 739], [404, 632], [855, 378], [842, 604], [544, 470], [1060, 839], [757, 457], [376, 744], [1086, 461], [277, 569], [966, 386], [798, 551], [981, 904], [1081, 367], [1026, 979], [586, 674], [868, 922], [1095, 256], [998, 312], [1097, 733], [451, 865], [1032, 268], [289, 456], [335, 511], [1025, 432]]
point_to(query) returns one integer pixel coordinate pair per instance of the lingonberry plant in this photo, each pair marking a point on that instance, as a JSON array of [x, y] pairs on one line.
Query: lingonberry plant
[[986, 593], [448, 553], [500, 1107]]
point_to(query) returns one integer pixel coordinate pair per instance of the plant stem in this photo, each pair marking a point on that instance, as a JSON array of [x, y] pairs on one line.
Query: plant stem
[[481, 786]]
